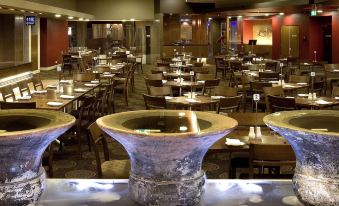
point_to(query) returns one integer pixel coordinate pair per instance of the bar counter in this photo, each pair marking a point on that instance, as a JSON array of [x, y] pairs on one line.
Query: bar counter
[[69, 192]]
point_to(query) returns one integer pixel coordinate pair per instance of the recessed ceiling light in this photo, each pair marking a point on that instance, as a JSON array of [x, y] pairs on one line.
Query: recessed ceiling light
[[209, 18], [266, 14], [22, 10], [230, 17], [32, 12], [87, 20], [239, 16], [281, 13], [320, 11], [57, 15], [132, 19], [123, 20], [81, 19], [40, 13], [70, 17], [11, 9]]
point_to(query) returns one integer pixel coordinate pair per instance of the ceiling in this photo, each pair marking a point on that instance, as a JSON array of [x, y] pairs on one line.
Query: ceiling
[[217, 8]]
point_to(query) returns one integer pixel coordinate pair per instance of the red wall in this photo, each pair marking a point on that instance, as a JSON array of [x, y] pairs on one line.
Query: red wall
[[53, 40], [335, 37], [247, 31]]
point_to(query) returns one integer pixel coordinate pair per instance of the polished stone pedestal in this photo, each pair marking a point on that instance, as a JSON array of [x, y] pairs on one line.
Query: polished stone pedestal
[[95, 192]]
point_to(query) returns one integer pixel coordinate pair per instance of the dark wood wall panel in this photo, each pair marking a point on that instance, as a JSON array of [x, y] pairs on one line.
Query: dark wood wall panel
[[53, 41]]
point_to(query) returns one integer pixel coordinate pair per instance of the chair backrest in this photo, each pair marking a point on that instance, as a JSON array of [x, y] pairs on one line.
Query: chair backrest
[[17, 105], [268, 76], [37, 83], [219, 63], [273, 91], [161, 91], [84, 77], [318, 86], [271, 65], [157, 76], [101, 69], [299, 79], [7, 93], [236, 65], [331, 66], [209, 85], [277, 103], [23, 87], [335, 92], [249, 119], [152, 83], [200, 76], [259, 86], [96, 136], [200, 70], [270, 155], [231, 104], [225, 91], [154, 102]]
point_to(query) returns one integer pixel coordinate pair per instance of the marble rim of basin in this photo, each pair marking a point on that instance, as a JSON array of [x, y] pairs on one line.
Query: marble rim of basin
[[24, 136], [316, 177], [166, 167]]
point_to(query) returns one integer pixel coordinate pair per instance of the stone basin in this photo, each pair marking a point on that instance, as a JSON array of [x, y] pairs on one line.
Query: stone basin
[[314, 137], [166, 149], [24, 136]]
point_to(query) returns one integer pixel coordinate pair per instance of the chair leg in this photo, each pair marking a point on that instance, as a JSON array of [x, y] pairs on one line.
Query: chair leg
[[88, 142]]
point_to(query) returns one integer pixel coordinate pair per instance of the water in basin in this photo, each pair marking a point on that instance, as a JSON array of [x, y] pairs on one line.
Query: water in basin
[[166, 124], [317, 123], [11, 123]]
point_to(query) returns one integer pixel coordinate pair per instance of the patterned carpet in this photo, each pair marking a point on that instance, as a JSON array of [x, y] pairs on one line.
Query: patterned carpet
[[69, 164]]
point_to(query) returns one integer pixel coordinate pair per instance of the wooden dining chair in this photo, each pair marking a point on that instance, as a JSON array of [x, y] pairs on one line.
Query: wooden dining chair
[[123, 85], [225, 91], [277, 103], [156, 76], [202, 77], [258, 88], [273, 157], [209, 85], [335, 91], [220, 66], [229, 104], [273, 91], [154, 102], [245, 121], [17, 105], [7, 93], [152, 83], [37, 83], [161, 91], [268, 76], [24, 88], [86, 115], [108, 169], [299, 79], [271, 65]]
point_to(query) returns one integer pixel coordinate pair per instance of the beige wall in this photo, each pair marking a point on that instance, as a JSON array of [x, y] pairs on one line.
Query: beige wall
[[118, 9], [65, 4]]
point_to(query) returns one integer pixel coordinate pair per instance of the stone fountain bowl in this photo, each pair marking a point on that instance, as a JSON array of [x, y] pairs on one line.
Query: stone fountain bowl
[[24, 136], [314, 137], [166, 149]]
